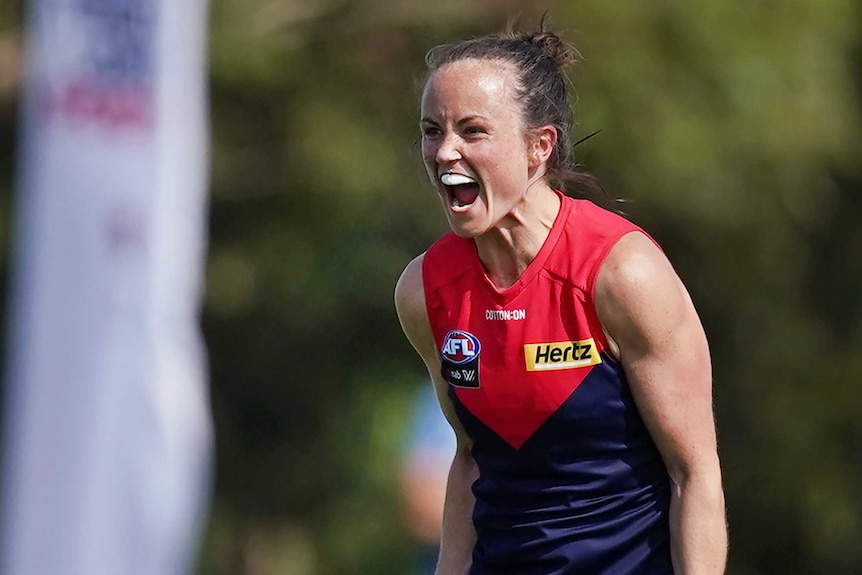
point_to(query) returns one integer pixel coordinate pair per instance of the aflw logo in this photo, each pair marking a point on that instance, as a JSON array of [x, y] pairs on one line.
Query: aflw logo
[[561, 355], [459, 359], [460, 346]]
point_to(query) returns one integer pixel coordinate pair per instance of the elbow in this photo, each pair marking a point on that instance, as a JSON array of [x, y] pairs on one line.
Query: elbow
[[703, 478]]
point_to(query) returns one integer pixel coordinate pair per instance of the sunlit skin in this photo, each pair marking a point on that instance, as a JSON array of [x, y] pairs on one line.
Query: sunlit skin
[[471, 125]]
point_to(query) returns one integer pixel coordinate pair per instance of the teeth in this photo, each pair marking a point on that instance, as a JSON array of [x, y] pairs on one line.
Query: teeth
[[456, 179]]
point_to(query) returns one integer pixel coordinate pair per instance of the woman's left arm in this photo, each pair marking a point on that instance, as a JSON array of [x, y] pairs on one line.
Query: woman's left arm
[[653, 329]]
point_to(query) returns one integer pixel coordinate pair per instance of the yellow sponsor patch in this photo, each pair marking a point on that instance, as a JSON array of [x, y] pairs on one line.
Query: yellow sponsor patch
[[561, 355]]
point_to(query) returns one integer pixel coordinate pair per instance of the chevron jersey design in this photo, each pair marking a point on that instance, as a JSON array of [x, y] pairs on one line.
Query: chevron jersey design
[[570, 481]]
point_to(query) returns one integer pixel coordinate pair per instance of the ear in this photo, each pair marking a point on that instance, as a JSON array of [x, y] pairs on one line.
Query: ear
[[542, 142]]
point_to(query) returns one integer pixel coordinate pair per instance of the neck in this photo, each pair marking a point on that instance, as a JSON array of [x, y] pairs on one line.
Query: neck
[[507, 249]]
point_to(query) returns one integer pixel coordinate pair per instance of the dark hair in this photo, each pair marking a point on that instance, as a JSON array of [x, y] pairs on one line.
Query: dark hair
[[543, 89]]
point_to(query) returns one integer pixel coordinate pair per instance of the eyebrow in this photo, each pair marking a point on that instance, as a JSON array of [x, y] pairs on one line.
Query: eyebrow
[[461, 122]]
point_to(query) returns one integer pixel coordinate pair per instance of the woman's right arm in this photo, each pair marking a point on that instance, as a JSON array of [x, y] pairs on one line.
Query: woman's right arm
[[458, 536]]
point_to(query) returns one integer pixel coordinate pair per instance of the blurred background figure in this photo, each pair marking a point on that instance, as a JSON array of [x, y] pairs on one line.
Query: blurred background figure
[[107, 430], [425, 462]]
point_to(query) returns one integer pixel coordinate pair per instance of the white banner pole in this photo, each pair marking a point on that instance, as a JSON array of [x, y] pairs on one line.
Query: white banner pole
[[108, 439]]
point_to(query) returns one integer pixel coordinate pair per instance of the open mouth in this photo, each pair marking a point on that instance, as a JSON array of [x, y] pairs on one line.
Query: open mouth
[[462, 190]]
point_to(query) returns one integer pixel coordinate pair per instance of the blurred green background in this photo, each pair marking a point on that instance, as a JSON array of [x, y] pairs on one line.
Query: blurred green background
[[732, 129]]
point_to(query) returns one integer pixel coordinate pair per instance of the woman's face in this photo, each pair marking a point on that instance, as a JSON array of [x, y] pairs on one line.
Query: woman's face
[[473, 143]]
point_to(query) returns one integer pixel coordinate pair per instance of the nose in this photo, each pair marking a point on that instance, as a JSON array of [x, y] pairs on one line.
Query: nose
[[448, 150]]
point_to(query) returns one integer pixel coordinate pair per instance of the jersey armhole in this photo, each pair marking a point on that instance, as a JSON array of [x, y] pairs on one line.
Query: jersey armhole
[[602, 255], [599, 260]]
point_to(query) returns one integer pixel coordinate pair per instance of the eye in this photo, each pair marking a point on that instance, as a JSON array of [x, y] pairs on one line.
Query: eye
[[430, 131], [475, 130]]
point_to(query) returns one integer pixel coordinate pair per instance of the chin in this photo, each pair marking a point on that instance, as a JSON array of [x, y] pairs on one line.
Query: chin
[[465, 230], [462, 233]]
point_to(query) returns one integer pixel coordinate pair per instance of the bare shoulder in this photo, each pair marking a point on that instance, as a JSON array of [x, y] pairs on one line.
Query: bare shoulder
[[409, 290], [410, 281], [410, 305], [632, 266], [639, 297]]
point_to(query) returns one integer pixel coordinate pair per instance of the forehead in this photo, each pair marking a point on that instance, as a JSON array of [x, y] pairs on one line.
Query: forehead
[[470, 86]]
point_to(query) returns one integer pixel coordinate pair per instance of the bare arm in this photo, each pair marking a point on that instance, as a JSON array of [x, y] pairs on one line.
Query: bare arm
[[458, 535], [657, 336]]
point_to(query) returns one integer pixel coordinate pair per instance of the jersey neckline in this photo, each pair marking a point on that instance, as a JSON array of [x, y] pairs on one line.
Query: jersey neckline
[[507, 294]]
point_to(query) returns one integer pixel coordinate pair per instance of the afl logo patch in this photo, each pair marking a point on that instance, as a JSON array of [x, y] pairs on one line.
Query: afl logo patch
[[460, 359]]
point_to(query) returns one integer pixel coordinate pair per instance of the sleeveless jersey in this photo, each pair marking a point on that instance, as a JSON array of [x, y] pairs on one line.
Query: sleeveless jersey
[[570, 481]]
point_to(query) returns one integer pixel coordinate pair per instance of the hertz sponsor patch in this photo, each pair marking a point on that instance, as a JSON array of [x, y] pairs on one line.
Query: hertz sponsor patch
[[561, 355]]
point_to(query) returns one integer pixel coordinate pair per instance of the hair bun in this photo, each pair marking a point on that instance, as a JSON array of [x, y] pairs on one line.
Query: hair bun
[[554, 47]]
